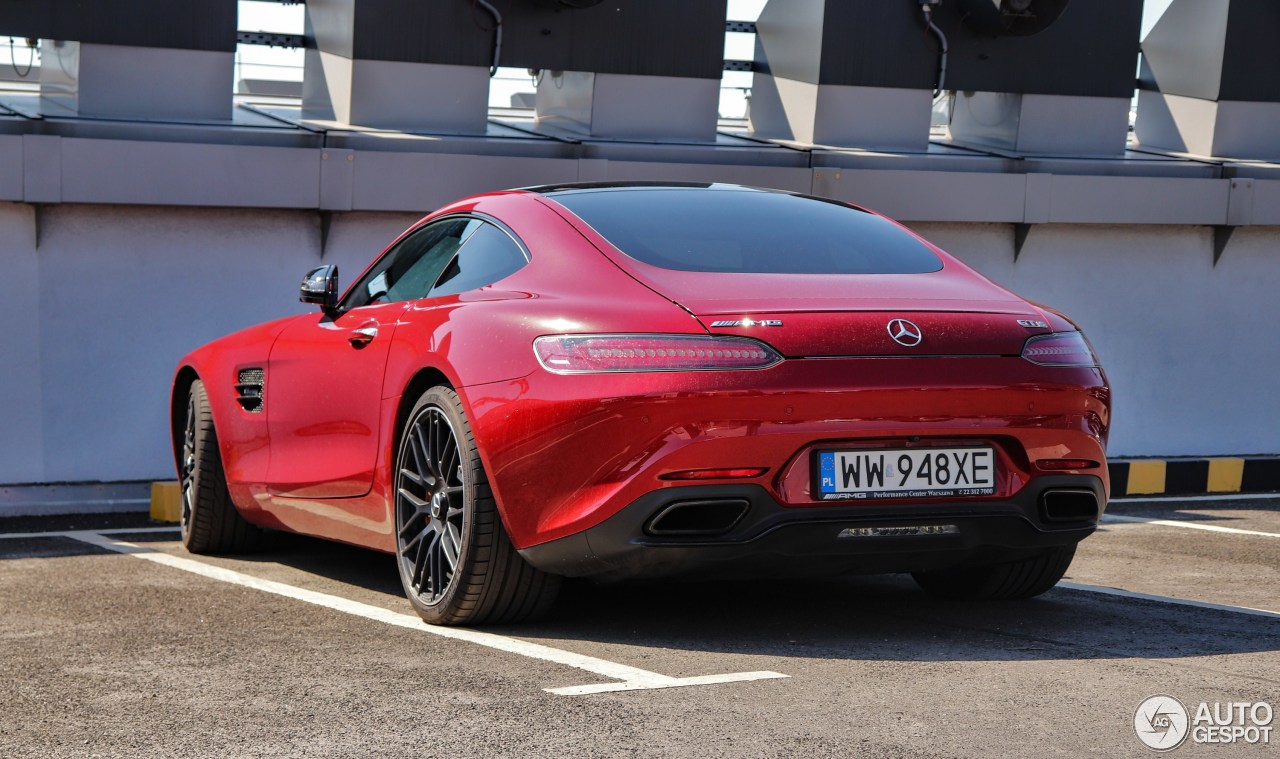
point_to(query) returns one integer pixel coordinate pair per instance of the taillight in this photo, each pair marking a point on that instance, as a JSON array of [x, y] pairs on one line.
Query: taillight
[[574, 354], [1059, 349], [741, 473], [1062, 465]]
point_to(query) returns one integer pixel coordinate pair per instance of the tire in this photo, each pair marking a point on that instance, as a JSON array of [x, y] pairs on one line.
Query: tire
[[1024, 578], [456, 563], [209, 521]]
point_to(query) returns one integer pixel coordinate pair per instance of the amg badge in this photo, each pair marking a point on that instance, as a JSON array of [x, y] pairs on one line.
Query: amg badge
[[747, 323], [899, 532]]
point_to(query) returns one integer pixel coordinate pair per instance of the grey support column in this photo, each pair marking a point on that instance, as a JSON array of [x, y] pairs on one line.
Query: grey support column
[[1209, 82], [413, 66], [134, 58], [852, 73], [624, 69], [1042, 77]]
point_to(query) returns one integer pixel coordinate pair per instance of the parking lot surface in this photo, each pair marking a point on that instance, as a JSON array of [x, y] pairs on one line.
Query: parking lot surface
[[114, 642]]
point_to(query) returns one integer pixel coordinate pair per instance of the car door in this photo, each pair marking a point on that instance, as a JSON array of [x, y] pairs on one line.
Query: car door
[[325, 374]]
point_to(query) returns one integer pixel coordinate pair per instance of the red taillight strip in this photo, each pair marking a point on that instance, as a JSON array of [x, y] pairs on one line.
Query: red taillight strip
[[741, 473], [582, 354], [1058, 465]]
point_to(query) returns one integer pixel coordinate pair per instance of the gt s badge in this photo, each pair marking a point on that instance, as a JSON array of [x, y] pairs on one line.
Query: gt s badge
[[747, 323], [1033, 324]]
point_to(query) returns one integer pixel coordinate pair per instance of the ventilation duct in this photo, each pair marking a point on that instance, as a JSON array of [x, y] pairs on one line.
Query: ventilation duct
[[1018, 18]]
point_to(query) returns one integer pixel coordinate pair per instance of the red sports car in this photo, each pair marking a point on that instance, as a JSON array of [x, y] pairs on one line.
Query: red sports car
[[641, 380]]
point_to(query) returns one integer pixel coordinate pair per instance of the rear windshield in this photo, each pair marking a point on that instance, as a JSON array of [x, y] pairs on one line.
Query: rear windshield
[[747, 231]]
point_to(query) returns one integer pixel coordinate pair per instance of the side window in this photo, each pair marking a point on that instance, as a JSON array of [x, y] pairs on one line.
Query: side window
[[407, 271], [487, 256]]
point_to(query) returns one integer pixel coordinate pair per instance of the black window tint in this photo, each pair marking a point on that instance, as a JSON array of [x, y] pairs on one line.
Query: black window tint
[[748, 231], [488, 256], [409, 269]]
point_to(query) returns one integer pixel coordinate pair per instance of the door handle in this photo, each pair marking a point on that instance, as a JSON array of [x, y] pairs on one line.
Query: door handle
[[362, 337]]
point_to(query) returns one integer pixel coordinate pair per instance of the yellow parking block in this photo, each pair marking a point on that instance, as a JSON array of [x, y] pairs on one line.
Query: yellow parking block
[[1225, 475], [1145, 477], [166, 502]]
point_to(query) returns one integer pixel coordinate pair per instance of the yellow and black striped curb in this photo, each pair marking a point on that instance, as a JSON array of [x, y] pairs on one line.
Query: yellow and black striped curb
[[1183, 476]]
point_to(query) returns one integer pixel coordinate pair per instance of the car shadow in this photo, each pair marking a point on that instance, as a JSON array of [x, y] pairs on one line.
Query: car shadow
[[882, 617]]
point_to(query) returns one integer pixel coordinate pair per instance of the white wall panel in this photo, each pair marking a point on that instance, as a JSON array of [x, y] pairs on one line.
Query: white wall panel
[[124, 292], [188, 174], [21, 385], [100, 313], [11, 179], [425, 181], [932, 195], [776, 177], [1187, 345]]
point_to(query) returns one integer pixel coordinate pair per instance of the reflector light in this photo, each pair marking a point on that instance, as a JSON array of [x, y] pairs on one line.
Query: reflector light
[[1056, 465], [577, 354], [715, 474], [1059, 349]]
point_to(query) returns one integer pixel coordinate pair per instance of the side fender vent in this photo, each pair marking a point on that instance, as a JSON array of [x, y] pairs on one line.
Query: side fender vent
[[249, 389]]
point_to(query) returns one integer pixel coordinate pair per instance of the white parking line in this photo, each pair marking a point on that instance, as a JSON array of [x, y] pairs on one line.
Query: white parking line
[[1187, 524], [631, 678], [65, 533], [1207, 497], [1169, 599]]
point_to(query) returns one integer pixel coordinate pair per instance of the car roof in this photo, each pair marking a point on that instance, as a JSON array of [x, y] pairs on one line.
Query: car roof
[[576, 187]]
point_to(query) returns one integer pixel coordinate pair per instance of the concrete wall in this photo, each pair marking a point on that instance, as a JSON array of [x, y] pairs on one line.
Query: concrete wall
[[1188, 346], [101, 309], [100, 313]]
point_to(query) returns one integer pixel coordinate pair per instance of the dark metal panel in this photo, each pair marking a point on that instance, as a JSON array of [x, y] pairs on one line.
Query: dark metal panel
[[1091, 50], [654, 37], [187, 25], [878, 44], [1251, 66]]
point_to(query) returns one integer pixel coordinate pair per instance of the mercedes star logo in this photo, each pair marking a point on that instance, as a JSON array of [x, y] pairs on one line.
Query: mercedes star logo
[[905, 333]]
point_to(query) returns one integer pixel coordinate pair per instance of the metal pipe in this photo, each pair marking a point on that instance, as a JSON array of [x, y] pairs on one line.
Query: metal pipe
[[942, 56], [497, 33]]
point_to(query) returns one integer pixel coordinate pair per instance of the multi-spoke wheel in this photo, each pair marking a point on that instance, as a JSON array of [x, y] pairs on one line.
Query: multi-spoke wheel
[[209, 521], [455, 559]]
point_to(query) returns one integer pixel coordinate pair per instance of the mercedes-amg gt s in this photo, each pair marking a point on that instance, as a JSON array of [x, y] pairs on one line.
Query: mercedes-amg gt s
[[634, 381]]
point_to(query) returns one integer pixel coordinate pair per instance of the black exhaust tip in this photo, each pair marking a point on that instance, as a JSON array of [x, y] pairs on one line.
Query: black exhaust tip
[[1069, 506], [698, 518]]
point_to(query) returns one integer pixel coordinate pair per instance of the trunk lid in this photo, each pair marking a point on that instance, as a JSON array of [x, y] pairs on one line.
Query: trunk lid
[[954, 312]]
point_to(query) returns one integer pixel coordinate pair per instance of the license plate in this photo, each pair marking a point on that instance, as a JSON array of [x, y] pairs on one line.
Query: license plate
[[906, 473]]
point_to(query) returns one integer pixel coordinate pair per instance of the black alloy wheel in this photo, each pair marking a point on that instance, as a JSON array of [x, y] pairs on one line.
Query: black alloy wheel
[[188, 466], [209, 521], [456, 563], [429, 505]]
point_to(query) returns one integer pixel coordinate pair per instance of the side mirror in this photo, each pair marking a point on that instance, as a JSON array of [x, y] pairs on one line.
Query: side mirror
[[320, 286]]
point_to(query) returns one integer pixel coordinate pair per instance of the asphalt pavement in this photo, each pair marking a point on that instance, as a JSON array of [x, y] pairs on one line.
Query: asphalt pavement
[[116, 643]]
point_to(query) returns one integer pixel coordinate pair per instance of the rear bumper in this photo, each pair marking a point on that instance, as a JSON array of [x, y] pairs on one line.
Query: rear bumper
[[768, 539], [565, 453]]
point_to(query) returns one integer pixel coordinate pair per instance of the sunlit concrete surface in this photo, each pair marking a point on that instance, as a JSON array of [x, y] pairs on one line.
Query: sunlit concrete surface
[[109, 655]]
